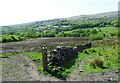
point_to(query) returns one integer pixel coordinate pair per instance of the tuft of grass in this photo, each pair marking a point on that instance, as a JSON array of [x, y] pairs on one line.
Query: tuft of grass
[[97, 62], [40, 68]]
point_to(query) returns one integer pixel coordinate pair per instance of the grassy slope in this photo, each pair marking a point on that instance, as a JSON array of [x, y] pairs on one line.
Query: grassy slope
[[108, 53], [103, 29]]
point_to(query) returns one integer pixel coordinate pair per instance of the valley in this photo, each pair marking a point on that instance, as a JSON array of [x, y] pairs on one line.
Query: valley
[[22, 49]]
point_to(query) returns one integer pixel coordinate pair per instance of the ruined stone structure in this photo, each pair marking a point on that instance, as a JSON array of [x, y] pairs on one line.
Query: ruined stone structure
[[61, 53]]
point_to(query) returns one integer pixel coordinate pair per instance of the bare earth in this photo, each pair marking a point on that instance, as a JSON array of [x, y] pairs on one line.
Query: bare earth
[[21, 68]]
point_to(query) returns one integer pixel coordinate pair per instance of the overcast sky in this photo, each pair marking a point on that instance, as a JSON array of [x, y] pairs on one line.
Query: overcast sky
[[22, 11]]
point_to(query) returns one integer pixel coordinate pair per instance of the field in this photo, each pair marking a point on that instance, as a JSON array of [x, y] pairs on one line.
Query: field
[[28, 54]]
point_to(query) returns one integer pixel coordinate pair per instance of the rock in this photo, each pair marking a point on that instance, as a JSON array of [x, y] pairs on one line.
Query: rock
[[92, 77], [116, 71], [103, 73], [81, 70], [110, 79]]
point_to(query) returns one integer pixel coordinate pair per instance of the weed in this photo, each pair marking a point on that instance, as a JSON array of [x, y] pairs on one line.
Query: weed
[[40, 68], [97, 62]]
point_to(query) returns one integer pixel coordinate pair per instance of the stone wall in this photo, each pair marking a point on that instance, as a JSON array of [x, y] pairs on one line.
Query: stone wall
[[61, 53]]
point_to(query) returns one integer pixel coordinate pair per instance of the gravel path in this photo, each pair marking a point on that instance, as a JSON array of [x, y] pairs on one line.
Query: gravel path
[[110, 75], [21, 68]]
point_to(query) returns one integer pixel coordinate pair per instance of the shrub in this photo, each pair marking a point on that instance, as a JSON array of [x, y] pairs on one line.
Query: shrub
[[97, 62], [15, 38]]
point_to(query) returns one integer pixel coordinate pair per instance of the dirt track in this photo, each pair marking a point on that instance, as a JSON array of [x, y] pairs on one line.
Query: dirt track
[[21, 68]]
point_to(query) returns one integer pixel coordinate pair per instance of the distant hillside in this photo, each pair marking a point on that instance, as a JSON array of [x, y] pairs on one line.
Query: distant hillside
[[33, 23], [112, 14]]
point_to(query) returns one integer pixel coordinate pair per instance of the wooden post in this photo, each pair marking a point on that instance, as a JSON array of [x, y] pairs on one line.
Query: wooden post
[[44, 58]]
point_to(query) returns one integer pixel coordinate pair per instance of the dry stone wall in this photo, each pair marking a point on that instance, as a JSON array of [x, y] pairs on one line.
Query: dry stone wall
[[59, 55]]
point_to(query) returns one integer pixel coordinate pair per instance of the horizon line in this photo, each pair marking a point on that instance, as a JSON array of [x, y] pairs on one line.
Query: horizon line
[[55, 18]]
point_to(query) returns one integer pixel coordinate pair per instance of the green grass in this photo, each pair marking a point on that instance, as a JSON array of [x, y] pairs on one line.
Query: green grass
[[108, 53], [71, 31], [110, 29], [40, 68], [97, 33], [7, 54], [103, 32], [37, 57], [103, 29], [96, 36]]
